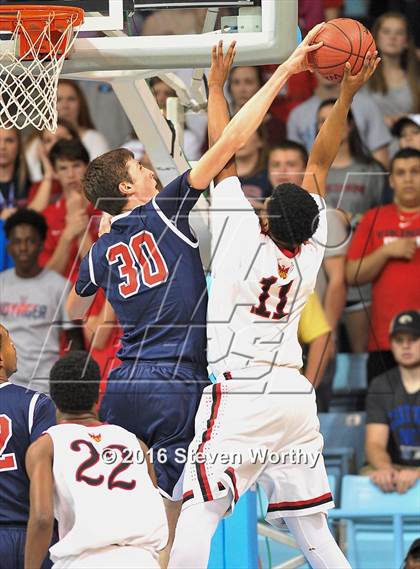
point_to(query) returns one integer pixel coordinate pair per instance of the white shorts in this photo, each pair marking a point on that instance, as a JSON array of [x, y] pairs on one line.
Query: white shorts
[[113, 557], [264, 430]]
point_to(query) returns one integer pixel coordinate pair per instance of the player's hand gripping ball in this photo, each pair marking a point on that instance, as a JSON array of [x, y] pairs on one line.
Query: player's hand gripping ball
[[344, 40]]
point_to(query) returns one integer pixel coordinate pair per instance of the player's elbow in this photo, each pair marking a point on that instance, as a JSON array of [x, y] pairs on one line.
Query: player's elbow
[[75, 306], [234, 138], [42, 520]]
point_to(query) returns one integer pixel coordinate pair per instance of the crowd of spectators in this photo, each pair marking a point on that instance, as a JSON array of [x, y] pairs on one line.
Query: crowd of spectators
[[371, 270]]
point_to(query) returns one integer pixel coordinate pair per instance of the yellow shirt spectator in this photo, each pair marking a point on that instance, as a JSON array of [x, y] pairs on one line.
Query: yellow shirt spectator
[[312, 322]]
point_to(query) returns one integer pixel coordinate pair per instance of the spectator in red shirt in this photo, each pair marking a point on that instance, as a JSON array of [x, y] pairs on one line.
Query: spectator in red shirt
[[102, 336], [385, 251], [71, 231], [45, 188]]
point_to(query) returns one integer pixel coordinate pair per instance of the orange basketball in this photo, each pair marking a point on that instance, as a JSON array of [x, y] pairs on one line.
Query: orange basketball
[[344, 40]]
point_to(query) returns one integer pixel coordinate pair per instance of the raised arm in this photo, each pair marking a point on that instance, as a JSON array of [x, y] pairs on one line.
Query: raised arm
[[218, 111], [251, 115], [329, 138]]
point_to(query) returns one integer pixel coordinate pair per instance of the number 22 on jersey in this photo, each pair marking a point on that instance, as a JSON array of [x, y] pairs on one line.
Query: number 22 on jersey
[[113, 481], [142, 255]]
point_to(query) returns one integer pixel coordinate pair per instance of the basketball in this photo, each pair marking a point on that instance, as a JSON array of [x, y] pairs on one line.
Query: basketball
[[344, 40]]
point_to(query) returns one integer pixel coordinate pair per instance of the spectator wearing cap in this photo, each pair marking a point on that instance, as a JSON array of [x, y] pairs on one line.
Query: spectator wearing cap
[[407, 130], [392, 440], [385, 251], [412, 559]]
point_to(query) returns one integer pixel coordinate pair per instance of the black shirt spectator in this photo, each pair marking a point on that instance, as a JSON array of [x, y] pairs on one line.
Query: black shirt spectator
[[389, 403]]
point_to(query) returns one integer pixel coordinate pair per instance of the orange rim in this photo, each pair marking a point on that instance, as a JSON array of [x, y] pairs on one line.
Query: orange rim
[[9, 15]]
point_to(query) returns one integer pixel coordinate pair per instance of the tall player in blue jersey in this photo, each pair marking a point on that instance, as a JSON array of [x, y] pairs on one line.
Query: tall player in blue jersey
[[150, 269], [24, 416]]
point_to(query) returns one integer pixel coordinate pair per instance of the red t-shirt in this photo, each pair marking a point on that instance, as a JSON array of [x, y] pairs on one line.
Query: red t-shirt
[[106, 357], [56, 191], [55, 216], [299, 88], [397, 287]]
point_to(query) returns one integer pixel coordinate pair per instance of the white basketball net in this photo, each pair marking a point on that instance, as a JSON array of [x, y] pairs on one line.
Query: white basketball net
[[28, 89]]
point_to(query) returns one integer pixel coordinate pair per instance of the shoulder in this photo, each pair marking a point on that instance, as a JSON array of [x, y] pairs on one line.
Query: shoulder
[[53, 210], [23, 398], [54, 278], [92, 136], [232, 183], [363, 102], [119, 431], [7, 275], [380, 214], [371, 215], [386, 383], [181, 181]]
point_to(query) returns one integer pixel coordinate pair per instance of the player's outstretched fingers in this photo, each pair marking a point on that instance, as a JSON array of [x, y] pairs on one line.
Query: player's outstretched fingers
[[310, 35], [347, 71], [230, 56], [314, 46], [220, 52], [214, 55]]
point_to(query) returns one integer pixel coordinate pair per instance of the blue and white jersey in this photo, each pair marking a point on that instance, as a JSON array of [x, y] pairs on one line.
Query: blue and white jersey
[[24, 416], [150, 269]]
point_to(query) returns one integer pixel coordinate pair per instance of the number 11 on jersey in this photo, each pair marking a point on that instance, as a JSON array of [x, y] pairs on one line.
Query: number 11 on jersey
[[261, 308]]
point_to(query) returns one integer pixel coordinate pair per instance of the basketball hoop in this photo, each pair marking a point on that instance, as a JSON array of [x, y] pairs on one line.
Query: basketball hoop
[[31, 59]]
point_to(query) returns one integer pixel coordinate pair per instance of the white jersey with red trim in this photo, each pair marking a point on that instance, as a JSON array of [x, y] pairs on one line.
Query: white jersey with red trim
[[258, 290], [103, 494]]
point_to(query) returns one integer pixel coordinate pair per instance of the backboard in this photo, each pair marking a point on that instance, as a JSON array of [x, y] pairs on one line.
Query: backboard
[[120, 37]]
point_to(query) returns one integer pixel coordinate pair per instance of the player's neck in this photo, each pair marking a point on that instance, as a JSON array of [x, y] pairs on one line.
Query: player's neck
[[134, 202], [82, 418], [3, 378]]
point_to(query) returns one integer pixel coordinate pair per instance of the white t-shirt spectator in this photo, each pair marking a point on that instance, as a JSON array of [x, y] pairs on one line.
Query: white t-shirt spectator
[[301, 125], [33, 310]]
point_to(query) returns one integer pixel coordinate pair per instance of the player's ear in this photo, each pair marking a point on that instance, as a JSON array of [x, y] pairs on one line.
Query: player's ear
[[126, 188], [264, 217]]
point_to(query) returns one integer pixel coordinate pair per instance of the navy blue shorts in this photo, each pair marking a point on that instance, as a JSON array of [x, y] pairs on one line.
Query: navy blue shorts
[[157, 401], [12, 548]]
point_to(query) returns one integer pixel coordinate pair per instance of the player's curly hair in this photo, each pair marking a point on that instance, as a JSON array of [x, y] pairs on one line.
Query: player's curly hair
[[74, 382], [293, 215], [27, 217]]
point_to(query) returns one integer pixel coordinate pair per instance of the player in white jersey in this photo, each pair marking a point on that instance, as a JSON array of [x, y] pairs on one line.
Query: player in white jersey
[[259, 421], [97, 481]]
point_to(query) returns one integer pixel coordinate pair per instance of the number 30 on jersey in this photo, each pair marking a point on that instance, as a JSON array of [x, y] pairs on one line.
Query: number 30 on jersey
[[140, 255]]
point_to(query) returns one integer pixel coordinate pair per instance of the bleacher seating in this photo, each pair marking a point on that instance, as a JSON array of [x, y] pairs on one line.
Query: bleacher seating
[[379, 526], [235, 541], [277, 547], [349, 383], [343, 444]]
